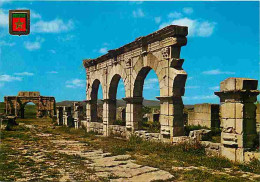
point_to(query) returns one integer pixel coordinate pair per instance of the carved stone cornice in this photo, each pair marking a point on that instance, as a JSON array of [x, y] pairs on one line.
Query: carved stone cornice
[[171, 35]]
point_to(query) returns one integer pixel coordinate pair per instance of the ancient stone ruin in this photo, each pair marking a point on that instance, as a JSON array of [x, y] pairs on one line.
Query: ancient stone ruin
[[70, 116], [159, 51], [14, 105], [238, 116]]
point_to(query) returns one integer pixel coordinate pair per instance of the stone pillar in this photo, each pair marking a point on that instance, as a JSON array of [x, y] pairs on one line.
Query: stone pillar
[[59, 115], [171, 117], [134, 113], [109, 114], [238, 116]]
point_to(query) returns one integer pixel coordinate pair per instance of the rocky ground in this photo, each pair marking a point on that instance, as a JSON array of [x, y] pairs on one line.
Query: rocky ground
[[39, 151]]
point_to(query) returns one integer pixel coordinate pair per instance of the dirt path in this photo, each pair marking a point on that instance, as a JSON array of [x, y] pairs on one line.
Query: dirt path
[[53, 157]]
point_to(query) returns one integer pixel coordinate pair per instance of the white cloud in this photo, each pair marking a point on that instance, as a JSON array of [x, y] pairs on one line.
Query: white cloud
[[138, 13], [174, 15], [189, 78], [103, 50], [34, 45], [188, 10], [35, 15], [24, 74], [205, 29], [195, 27], [217, 72], [9, 78], [4, 43], [76, 83], [157, 19], [52, 72], [214, 88], [3, 18], [191, 87], [54, 26], [151, 83]]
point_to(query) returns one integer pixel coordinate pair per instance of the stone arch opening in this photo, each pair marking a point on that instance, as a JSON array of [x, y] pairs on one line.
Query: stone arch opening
[[116, 113], [148, 121], [29, 110], [96, 108]]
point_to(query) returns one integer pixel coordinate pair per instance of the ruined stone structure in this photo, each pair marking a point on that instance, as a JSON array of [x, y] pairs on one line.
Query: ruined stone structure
[[77, 114], [238, 116], [132, 62], [120, 114], [15, 105], [204, 115]]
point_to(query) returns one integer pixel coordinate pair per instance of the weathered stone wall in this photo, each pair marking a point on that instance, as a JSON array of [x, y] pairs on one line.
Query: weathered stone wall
[[93, 126], [204, 115], [117, 130]]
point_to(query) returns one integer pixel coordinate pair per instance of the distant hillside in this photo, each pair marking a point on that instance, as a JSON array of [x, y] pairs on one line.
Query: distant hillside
[[148, 103], [120, 103]]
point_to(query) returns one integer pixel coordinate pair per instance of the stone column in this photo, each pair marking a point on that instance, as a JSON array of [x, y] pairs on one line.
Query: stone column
[[171, 117], [238, 116], [59, 115], [134, 113], [109, 114]]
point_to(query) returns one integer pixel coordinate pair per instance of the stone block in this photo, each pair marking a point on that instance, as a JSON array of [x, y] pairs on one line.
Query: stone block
[[229, 153], [234, 84], [202, 108], [231, 110]]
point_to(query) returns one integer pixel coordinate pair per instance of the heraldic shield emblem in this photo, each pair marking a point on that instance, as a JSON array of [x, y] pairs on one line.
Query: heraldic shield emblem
[[19, 22]]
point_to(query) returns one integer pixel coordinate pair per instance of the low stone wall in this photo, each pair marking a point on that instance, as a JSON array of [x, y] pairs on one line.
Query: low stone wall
[[204, 115], [93, 126], [117, 130], [148, 136]]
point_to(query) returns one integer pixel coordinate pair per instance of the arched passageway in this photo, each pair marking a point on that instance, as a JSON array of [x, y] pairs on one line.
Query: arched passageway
[[147, 87], [96, 107], [159, 51], [29, 110]]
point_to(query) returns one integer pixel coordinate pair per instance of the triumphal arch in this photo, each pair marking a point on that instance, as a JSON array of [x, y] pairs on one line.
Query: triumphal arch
[[159, 51], [14, 105]]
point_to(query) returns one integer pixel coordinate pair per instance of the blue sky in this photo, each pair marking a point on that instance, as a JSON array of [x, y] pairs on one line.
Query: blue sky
[[223, 42]]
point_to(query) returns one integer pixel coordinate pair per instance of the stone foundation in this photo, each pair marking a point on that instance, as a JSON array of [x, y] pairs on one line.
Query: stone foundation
[[117, 130]]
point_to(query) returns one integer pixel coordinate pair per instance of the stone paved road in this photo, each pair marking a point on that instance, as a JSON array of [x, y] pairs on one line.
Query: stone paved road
[[120, 167]]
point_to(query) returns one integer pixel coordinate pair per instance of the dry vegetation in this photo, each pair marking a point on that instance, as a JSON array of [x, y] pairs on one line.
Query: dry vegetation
[[26, 155]]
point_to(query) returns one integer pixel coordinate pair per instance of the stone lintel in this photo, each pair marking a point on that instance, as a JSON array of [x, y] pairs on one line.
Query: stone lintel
[[133, 100], [241, 93], [180, 32]]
